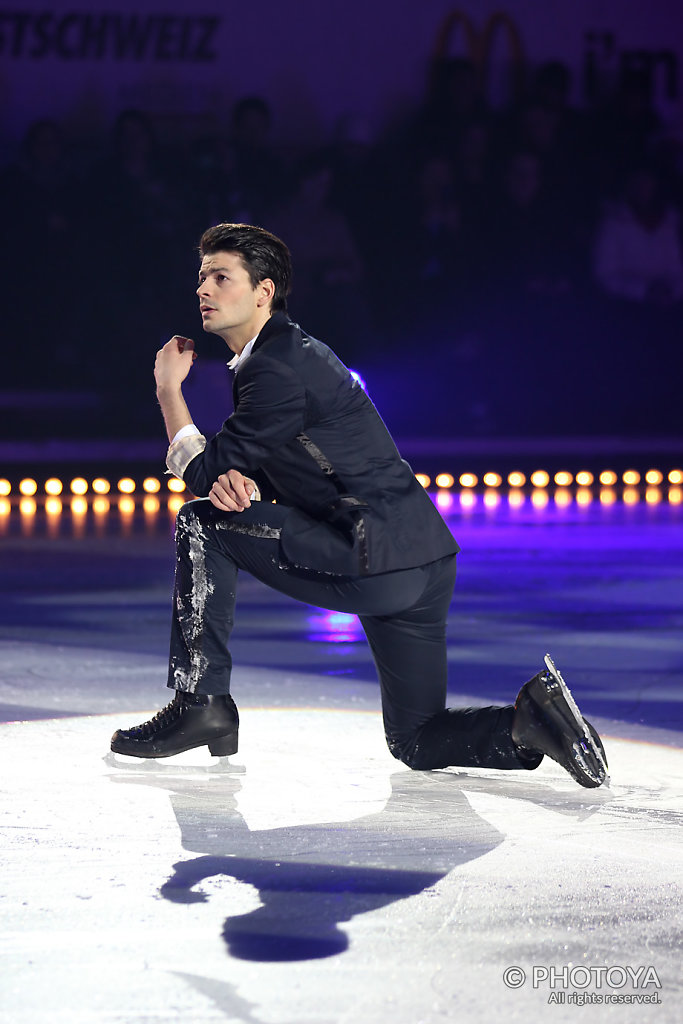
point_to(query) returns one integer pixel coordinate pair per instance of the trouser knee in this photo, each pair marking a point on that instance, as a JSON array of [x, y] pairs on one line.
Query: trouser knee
[[407, 750]]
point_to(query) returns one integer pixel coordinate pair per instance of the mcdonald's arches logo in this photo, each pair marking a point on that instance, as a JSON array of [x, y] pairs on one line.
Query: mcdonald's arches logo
[[479, 46]]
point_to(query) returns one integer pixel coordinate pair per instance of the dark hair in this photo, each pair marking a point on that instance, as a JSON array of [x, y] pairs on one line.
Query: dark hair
[[263, 255]]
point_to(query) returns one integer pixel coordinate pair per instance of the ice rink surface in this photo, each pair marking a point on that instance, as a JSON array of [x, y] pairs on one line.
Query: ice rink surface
[[312, 879]]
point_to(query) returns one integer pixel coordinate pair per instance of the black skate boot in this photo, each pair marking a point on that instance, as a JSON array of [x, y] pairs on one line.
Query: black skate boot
[[190, 720], [547, 721]]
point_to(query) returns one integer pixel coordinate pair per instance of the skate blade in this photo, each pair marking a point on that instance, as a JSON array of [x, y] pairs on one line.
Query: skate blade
[[589, 741]]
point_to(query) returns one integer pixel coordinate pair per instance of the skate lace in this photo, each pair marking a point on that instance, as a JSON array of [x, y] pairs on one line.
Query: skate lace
[[162, 718]]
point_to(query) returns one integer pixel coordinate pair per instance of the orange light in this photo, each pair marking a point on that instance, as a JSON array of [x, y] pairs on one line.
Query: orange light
[[150, 504], [101, 486], [563, 479], [675, 477], [468, 499], [79, 506], [584, 496], [444, 480], [468, 480], [585, 478], [100, 506], [675, 496], [126, 485], [516, 479], [631, 477], [563, 497], [6, 487], [126, 505], [515, 498], [28, 487], [151, 485], [492, 479], [79, 486], [631, 496], [178, 486], [491, 498], [27, 506], [654, 477], [444, 499], [607, 496], [540, 478], [175, 502], [539, 498], [53, 486], [6, 506], [53, 506], [653, 495]]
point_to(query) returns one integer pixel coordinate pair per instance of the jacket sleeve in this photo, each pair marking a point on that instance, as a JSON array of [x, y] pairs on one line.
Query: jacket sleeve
[[270, 413]]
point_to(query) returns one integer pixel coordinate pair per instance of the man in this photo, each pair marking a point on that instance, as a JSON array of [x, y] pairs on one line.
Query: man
[[350, 530]]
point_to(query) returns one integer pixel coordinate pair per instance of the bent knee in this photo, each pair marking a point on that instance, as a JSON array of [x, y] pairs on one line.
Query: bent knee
[[409, 750]]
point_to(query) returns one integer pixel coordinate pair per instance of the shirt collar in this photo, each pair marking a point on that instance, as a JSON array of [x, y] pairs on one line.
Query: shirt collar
[[237, 360]]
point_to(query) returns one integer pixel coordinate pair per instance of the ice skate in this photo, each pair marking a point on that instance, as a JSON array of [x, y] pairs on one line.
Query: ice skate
[[548, 720], [190, 720]]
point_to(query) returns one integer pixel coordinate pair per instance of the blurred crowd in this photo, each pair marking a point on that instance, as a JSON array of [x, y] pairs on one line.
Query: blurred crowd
[[529, 251]]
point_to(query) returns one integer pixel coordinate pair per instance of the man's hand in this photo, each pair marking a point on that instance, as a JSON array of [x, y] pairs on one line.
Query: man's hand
[[232, 491], [173, 363]]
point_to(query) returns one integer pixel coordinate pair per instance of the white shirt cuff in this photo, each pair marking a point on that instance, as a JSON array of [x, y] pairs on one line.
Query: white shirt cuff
[[187, 431]]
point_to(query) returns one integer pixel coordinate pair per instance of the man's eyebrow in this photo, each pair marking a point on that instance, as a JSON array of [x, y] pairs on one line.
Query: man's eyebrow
[[214, 270]]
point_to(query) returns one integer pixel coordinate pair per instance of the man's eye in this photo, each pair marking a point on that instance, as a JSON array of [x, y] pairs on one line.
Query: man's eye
[[221, 277]]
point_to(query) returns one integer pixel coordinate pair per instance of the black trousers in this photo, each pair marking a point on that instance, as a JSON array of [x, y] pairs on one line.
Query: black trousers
[[403, 614]]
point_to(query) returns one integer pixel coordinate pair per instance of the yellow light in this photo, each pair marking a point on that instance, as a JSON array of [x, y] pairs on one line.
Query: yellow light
[[675, 496], [631, 496], [126, 506], [492, 479], [100, 506], [422, 478], [28, 487], [468, 480], [515, 498], [175, 502], [539, 498], [516, 479], [79, 506], [151, 485], [6, 506], [631, 477], [6, 487], [444, 480], [654, 477], [653, 495], [608, 478], [563, 497], [540, 478], [468, 499], [675, 477], [607, 496], [79, 486], [444, 499], [150, 504], [178, 486], [491, 498], [53, 506], [563, 479], [27, 506], [584, 496], [101, 486], [53, 486], [585, 478], [126, 485]]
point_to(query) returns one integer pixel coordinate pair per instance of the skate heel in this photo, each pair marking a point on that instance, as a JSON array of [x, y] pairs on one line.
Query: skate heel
[[222, 746]]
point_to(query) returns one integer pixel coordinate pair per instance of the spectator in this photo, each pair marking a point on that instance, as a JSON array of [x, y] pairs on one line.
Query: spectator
[[638, 247]]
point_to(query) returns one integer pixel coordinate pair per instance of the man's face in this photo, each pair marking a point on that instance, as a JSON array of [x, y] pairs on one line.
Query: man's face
[[226, 297]]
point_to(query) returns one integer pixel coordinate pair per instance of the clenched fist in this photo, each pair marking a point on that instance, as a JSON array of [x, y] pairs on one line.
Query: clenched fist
[[232, 491]]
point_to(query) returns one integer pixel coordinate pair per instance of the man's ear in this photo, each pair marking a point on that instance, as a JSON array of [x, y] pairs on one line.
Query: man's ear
[[266, 289]]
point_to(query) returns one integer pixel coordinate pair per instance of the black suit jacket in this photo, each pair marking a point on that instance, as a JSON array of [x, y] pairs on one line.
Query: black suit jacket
[[307, 433]]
